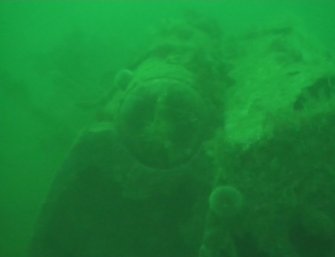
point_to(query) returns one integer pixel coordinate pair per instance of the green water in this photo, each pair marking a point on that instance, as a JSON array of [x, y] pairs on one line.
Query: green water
[[59, 60]]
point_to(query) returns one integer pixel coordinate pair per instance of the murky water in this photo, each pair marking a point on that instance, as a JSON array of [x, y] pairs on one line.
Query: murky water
[[167, 128]]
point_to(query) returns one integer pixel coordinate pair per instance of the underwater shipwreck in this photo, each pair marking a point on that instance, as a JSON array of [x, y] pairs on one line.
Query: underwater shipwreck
[[204, 146]]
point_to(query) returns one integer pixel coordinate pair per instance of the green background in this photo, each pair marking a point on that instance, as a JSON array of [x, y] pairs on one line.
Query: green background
[[57, 56]]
